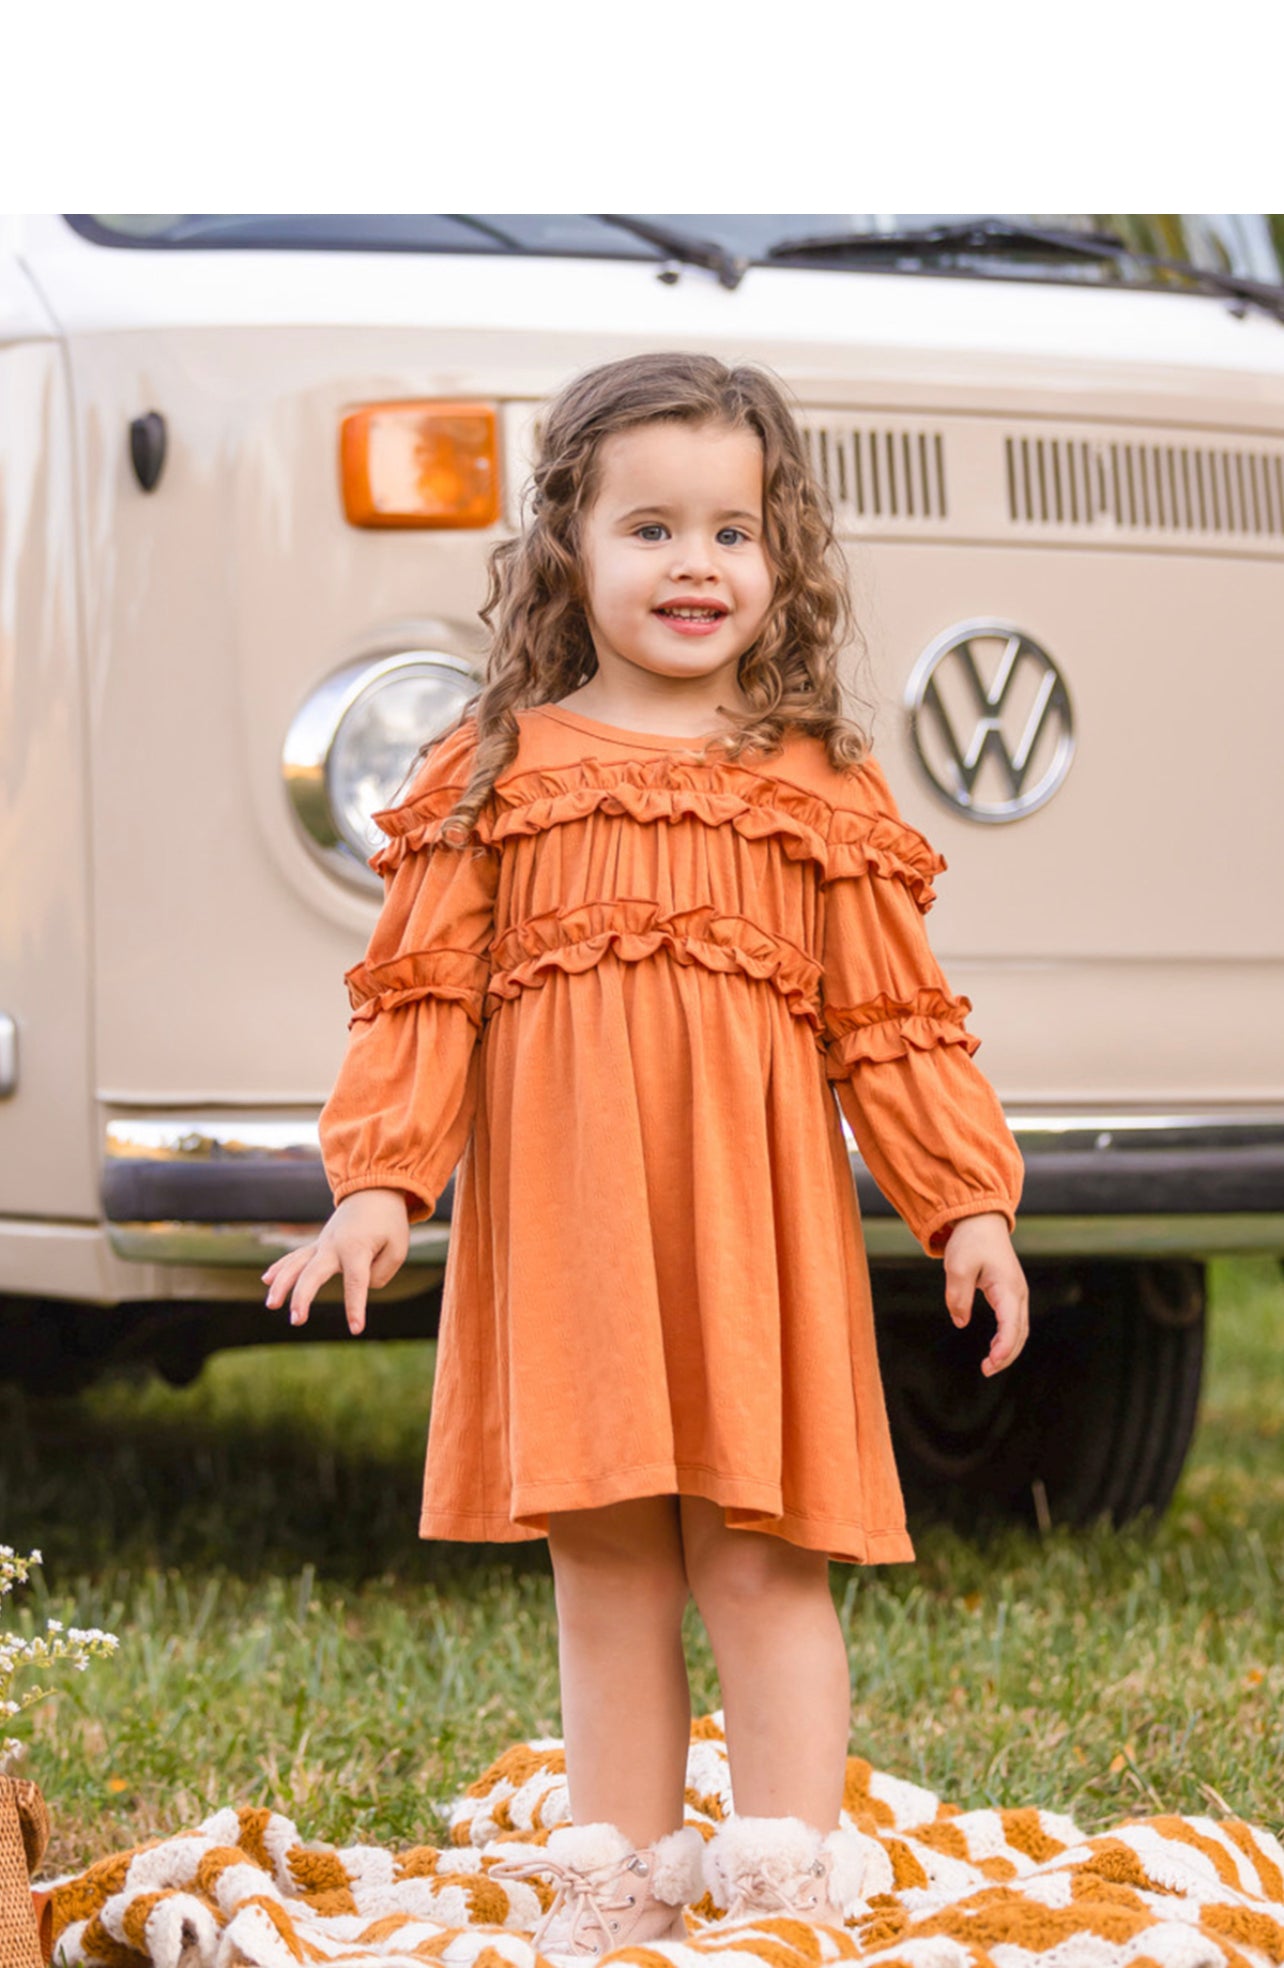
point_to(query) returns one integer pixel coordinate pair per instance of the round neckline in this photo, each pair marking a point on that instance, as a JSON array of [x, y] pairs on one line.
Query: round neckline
[[624, 734]]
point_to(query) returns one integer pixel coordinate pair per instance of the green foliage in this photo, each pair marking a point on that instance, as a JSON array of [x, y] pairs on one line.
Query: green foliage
[[287, 1640]]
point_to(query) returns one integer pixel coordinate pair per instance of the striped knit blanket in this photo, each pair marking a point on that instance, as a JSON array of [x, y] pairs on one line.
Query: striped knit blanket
[[969, 1889]]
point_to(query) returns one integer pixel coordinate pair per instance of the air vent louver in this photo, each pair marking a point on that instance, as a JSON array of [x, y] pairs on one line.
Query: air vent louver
[[880, 473], [1166, 488]]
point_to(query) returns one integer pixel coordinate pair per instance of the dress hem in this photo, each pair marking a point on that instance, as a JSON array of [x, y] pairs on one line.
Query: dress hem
[[749, 1505]]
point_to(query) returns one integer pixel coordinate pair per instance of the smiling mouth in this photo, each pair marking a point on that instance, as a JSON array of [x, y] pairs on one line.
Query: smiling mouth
[[693, 614]]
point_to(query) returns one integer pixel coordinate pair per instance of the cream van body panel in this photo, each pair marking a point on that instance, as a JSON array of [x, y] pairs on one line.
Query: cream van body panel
[[245, 587], [49, 1128]]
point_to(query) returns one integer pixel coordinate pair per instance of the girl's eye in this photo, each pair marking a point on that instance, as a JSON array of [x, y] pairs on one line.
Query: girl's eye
[[654, 526]]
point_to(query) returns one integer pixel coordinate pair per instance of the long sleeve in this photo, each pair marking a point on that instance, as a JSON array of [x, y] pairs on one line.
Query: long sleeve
[[406, 1095], [929, 1125]]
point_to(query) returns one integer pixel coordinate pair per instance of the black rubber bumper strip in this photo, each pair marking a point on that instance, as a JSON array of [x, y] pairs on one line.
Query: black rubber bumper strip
[[1218, 1181]]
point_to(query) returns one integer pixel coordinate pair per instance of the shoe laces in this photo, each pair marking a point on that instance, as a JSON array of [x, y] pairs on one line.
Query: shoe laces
[[766, 1888], [590, 1892]]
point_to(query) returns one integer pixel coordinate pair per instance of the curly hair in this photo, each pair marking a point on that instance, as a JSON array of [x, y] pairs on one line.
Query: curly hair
[[541, 649]]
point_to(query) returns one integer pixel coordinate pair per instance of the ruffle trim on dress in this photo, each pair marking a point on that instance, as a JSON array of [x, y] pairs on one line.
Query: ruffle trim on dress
[[576, 939], [456, 975], [889, 1028], [840, 842], [888, 847]]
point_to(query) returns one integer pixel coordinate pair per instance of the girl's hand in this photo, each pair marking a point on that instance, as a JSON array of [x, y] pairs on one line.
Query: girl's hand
[[366, 1239], [979, 1255]]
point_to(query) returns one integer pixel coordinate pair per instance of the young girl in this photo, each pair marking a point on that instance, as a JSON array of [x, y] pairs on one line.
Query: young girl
[[650, 906]]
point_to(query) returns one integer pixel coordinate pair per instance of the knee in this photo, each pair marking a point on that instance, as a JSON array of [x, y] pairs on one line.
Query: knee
[[744, 1575], [618, 1562]]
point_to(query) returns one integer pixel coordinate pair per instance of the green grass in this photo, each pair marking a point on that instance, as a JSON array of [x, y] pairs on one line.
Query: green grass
[[287, 1640]]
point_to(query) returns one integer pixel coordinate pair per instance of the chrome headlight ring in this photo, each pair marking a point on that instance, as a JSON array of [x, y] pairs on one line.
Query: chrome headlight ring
[[352, 743]]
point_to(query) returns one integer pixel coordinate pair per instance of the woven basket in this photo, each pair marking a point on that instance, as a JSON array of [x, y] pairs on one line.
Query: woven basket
[[24, 1834]]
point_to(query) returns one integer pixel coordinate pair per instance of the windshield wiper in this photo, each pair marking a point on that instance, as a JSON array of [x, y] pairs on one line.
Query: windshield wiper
[[972, 235], [1003, 236], [730, 267]]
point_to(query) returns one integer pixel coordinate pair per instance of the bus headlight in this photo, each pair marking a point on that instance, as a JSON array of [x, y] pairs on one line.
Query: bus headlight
[[353, 742]]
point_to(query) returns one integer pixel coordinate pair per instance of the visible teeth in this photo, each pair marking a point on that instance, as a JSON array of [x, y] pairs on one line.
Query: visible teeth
[[694, 614]]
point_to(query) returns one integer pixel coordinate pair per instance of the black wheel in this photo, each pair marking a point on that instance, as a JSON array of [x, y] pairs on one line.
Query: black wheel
[[1094, 1419]]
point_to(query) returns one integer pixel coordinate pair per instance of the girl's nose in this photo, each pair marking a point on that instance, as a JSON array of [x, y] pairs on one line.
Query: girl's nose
[[693, 557]]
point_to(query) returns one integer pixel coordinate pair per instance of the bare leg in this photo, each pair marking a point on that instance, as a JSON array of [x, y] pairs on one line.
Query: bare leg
[[626, 1703], [782, 1663]]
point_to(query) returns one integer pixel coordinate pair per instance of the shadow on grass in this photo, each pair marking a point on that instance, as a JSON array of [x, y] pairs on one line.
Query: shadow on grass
[[273, 1458]]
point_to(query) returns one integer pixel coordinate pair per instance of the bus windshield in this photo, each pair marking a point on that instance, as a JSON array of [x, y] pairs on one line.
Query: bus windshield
[[1247, 246]]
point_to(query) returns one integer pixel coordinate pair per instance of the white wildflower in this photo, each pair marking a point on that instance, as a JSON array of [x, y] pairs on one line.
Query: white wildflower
[[58, 1645]]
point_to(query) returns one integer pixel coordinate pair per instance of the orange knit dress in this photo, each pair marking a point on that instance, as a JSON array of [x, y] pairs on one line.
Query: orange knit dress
[[624, 1010]]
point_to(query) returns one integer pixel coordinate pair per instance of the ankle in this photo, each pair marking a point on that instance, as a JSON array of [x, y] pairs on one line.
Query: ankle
[[641, 1823], [643, 1834]]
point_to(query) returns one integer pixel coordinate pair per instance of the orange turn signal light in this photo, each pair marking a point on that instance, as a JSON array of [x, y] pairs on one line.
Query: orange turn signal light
[[420, 464]]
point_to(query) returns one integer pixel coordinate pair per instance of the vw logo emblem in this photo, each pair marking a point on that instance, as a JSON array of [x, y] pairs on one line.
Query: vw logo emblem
[[990, 720]]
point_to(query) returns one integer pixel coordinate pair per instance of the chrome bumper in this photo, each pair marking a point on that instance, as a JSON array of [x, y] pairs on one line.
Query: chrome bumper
[[239, 1189]]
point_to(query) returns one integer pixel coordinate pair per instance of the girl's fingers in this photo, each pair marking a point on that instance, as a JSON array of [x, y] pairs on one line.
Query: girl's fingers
[[321, 1266], [284, 1272], [1010, 1312], [301, 1273], [960, 1290], [356, 1284]]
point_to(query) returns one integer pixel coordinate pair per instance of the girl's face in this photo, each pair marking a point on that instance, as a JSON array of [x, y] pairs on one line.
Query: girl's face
[[677, 521]]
